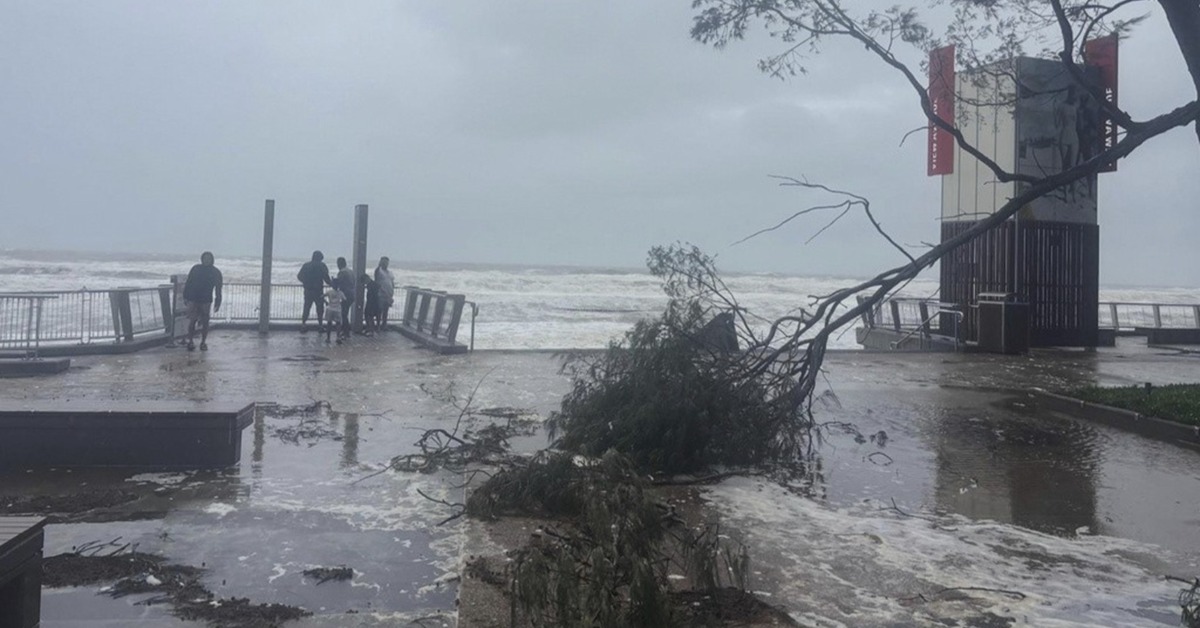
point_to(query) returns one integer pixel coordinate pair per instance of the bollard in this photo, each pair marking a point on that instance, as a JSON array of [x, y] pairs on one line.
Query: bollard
[[264, 296], [359, 266]]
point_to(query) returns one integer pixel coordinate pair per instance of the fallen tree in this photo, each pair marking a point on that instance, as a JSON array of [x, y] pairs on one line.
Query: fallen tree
[[677, 394]]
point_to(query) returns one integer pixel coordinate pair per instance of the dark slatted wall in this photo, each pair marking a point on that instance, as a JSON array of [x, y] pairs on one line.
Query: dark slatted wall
[[1056, 272]]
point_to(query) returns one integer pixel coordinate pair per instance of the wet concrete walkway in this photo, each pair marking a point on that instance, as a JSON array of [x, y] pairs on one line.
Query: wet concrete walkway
[[292, 503], [1007, 496]]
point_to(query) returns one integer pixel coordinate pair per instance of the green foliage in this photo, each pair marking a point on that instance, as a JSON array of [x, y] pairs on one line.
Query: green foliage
[[605, 562], [669, 396], [676, 395], [1176, 402], [551, 485], [1189, 602]]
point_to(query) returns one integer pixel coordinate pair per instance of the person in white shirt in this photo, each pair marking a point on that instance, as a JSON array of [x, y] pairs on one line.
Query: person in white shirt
[[333, 313]]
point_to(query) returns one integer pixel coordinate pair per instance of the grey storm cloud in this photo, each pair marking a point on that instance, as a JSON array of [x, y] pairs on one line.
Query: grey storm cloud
[[516, 132]]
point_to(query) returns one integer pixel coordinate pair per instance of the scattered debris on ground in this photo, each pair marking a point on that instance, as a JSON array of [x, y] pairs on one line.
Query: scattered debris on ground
[[467, 444], [325, 574], [305, 358], [134, 573], [59, 507], [307, 431], [313, 427], [607, 550]]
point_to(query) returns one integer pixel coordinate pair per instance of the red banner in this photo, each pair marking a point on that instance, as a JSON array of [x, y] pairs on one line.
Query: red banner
[[1102, 54], [940, 159]]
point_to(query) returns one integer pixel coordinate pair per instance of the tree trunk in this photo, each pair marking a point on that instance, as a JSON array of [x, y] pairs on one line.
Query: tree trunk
[[1184, 18]]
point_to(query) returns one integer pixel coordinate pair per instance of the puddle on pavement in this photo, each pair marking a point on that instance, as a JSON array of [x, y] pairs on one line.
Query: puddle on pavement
[[291, 505]]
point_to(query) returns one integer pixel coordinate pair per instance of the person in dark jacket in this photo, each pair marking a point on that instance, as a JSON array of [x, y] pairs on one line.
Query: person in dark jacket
[[203, 282], [370, 305], [314, 276]]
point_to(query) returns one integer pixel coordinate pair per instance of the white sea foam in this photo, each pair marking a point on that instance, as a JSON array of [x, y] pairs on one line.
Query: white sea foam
[[219, 509], [867, 565], [519, 308]]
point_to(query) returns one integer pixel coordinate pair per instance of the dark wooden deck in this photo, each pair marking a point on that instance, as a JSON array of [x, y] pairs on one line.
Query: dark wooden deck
[[122, 434], [21, 541]]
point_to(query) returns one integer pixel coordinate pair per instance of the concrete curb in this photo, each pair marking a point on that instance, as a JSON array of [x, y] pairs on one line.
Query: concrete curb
[[19, 367], [1153, 427], [106, 348]]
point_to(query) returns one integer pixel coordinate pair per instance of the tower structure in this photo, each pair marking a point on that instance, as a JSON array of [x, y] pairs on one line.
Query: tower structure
[[1033, 117]]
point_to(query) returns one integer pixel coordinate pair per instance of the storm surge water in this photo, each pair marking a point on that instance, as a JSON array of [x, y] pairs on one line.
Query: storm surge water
[[520, 307]]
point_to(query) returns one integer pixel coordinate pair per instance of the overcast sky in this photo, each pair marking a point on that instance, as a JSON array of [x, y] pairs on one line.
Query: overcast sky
[[553, 132]]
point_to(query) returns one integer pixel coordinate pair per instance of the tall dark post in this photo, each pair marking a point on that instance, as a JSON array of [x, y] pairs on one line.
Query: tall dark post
[[360, 265], [264, 299]]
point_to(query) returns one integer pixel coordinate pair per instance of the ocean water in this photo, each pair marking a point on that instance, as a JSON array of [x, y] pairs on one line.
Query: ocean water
[[518, 307]]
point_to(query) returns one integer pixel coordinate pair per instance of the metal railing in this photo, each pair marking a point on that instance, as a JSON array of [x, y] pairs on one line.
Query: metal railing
[[240, 302], [904, 314], [84, 317], [432, 317], [908, 314], [1129, 316], [81, 317], [925, 328]]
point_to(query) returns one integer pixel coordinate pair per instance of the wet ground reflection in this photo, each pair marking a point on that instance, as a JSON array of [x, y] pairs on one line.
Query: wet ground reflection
[[996, 456]]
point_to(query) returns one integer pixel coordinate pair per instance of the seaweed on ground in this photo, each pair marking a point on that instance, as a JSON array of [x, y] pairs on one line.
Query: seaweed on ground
[[326, 574], [132, 573], [65, 504]]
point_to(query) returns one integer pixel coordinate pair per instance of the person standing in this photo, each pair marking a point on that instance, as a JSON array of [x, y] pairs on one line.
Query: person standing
[[386, 284], [203, 282], [370, 304], [345, 283], [314, 276], [333, 312]]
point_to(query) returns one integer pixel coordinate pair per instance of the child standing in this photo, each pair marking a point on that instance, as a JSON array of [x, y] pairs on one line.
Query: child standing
[[333, 313]]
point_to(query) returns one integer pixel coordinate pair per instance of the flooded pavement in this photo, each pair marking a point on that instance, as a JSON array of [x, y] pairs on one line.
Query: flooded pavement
[[295, 502], [975, 506], [962, 505]]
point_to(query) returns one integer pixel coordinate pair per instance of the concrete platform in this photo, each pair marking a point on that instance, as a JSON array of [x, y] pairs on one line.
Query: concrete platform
[[440, 345], [1169, 335], [22, 367], [1014, 482], [136, 434], [21, 541]]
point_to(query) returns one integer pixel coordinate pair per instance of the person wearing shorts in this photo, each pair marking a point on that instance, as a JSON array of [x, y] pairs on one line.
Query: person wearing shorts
[[333, 312], [314, 276], [202, 292]]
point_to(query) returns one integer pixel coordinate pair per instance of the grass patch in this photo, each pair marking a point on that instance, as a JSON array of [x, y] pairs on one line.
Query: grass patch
[[1176, 402]]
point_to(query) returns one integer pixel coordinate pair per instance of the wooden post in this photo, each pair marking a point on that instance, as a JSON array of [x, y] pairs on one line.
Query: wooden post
[[168, 312], [1112, 309], [895, 314], [424, 313], [439, 310], [1157, 315], [359, 266], [410, 306], [264, 290], [456, 308]]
